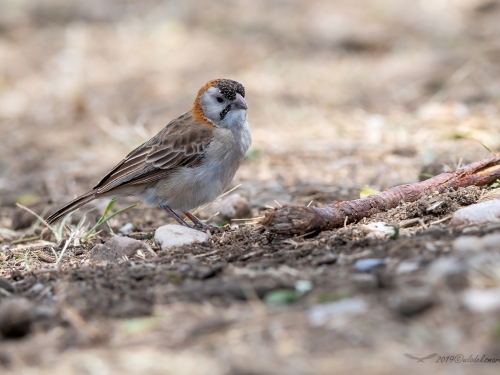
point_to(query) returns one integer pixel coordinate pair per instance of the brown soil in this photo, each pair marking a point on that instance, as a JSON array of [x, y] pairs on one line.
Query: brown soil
[[342, 95]]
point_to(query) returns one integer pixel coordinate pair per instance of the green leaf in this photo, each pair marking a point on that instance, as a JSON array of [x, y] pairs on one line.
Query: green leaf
[[140, 325], [339, 294], [396, 233], [26, 198], [175, 277], [495, 185], [281, 297], [366, 192], [426, 175]]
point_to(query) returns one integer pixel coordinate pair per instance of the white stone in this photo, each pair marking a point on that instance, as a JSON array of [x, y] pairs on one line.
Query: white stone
[[478, 213], [491, 241], [7, 233], [321, 314], [465, 244], [450, 271], [478, 300], [126, 228], [379, 230], [303, 286], [176, 235], [473, 244], [407, 267]]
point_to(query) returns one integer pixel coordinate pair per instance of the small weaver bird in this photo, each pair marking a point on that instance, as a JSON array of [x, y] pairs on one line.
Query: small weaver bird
[[189, 163]]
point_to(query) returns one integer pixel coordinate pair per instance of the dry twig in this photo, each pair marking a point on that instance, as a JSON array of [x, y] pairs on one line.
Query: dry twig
[[301, 219]]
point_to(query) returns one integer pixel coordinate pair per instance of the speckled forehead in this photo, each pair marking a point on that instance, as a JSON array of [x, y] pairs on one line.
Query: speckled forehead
[[230, 88]]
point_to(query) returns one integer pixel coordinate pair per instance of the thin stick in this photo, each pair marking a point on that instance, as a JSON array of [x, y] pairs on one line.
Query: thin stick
[[300, 219], [441, 220], [64, 248], [206, 254], [23, 240]]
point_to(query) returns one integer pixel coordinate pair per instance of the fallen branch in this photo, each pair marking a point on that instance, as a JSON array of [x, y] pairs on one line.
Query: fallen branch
[[302, 219]]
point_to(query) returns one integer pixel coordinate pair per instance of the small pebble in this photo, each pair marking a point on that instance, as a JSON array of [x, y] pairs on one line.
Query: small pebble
[[7, 234], [478, 213], [478, 300], [303, 286], [320, 314], [176, 235], [231, 207], [6, 285], [407, 267], [34, 290], [16, 316], [430, 246], [412, 300], [116, 248], [450, 271], [368, 264], [126, 228], [474, 244], [379, 230], [365, 281]]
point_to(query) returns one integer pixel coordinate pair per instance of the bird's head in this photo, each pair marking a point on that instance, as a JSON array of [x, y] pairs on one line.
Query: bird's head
[[221, 102]]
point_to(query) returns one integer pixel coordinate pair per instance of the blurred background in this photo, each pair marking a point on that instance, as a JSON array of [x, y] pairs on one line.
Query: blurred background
[[342, 94], [366, 93]]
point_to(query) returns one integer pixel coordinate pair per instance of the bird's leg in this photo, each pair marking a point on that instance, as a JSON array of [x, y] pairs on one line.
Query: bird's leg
[[175, 216], [197, 222]]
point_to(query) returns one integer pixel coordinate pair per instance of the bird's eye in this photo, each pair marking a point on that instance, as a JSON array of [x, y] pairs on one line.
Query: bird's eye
[[220, 100]]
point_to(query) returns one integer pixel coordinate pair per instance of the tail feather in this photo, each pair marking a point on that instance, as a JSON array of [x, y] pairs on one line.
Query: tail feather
[[71, 206]]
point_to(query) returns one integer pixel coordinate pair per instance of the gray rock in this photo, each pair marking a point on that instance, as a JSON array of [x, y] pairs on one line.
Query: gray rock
[[116, 248], [176, 235], [412, 300], [231, 207], [451, 272], [478, 213], [6, 286], [365, 281], [7, 234], [466, 244], [16, 317]]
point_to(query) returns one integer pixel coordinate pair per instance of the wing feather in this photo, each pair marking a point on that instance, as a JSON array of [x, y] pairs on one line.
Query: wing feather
[[182, 143]]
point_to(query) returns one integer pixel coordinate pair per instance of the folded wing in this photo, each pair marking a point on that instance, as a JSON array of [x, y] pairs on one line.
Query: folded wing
[[182, 143]]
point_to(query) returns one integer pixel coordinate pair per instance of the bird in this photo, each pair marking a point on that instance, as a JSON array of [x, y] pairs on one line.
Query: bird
[[411, 356], [189, 163]]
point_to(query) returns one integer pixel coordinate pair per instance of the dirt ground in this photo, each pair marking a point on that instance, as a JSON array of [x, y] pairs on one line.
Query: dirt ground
[[342, 95]]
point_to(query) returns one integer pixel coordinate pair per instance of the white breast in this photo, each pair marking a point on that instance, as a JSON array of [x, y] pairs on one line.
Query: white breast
[[188, 188]]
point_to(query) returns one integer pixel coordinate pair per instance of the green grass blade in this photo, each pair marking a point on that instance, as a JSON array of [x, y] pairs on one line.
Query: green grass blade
[[120, 211], [105, 218], [109, 207], [42, 220], [58, 234]]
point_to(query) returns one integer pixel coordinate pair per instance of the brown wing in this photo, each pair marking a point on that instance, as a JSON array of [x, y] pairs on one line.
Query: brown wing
[[182, 143]]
